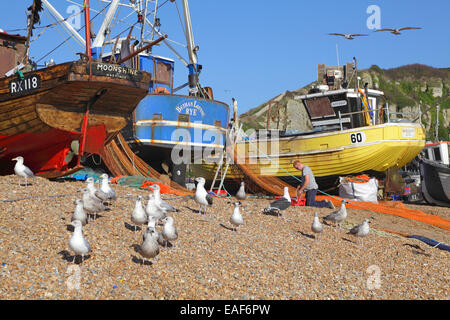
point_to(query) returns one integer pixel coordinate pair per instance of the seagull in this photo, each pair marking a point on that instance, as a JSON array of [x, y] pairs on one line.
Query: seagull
[[153, 209], [138, 216], [22, 170], [152, 226], [202, 197], [149, 247], [79, 213], [106, 188], [169, 231], [91, 204], [280, 204], [361, 230], [160, 202], [77, 242], [236, 219], [397, 31], [339, 215], [316, 227], [97, 193], [241, 195], [348, 36]]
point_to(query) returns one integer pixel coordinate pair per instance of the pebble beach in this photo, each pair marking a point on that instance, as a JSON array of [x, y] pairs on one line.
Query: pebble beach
[[271, 258]]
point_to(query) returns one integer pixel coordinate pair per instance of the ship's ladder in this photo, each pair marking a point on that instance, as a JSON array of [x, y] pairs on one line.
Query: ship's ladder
[[232, 136]]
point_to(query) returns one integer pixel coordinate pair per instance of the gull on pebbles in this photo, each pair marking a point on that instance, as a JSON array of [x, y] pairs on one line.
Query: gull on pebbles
[[169, 232], [79, 213], [138, 216], [241, 195], [92, 205], [77, 242], [339, 215], [280, 204], [202, 197], [236, 218], [361, 231], [316, 226], [106, 188], [149, 248], [22, 170]]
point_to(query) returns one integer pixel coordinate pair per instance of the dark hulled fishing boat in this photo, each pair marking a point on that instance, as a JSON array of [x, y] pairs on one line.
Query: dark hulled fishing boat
[[55, 115]]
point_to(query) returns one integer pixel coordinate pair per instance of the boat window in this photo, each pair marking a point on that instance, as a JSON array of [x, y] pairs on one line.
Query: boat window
[[157, 116], [319, 108], [163, 73], [437, 154], [183, 117]]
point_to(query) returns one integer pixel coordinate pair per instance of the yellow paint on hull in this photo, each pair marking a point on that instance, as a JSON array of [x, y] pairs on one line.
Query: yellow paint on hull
[[384, 146]]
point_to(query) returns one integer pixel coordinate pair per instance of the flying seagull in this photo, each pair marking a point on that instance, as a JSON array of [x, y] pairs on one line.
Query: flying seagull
[[22, 170], [397, 31], [202, 197], [280, 204], [348, 36]]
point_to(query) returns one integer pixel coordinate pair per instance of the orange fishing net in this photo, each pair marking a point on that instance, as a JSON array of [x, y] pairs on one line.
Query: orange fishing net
[[394, 208]]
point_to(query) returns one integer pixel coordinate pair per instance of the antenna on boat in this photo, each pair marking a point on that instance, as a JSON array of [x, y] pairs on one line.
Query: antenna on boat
[[437, 123], [192, 51], [337, 54]]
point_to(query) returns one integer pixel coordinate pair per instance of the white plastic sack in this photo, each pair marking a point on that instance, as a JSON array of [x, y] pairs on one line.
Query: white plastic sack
[[366, 192]]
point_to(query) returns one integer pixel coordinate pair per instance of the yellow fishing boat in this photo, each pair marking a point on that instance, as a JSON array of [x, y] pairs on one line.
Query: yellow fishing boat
[[353, 133]]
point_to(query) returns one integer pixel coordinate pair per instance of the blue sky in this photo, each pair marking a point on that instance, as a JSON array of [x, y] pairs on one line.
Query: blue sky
[[254, 50]]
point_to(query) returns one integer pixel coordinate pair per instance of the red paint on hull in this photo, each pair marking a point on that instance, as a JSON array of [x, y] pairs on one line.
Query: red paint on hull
[[44, 153]]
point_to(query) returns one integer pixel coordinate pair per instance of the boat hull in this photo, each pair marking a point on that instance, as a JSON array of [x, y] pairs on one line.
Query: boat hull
[[329, 155], [435, 182], [75, 101]]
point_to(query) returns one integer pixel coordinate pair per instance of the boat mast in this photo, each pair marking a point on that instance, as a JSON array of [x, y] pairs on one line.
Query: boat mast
[[87, 27], [192, 50], [30, 28], [104, 28]]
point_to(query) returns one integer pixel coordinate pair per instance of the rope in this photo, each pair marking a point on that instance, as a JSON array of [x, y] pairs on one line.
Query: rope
[[62, 43]]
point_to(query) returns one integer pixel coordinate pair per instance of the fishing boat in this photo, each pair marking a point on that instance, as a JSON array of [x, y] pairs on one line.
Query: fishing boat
[[57, 115], [169, 130], [435, 174], [352, 133]]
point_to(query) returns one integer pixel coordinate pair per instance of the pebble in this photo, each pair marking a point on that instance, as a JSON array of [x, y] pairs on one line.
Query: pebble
[[267, 261]]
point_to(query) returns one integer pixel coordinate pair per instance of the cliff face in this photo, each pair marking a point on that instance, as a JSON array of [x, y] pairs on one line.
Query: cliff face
[[405, 89]]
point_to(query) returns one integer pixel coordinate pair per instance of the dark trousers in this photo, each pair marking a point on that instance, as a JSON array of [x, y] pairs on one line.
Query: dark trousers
[[311, 200]]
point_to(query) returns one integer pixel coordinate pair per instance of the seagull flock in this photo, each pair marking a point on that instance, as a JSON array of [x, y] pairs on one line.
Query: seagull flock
[[95, 200], [393, 31]]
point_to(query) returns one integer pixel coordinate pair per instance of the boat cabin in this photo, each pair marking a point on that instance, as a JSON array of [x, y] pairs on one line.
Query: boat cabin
[[438, 152], [12, 51], [334, 106]]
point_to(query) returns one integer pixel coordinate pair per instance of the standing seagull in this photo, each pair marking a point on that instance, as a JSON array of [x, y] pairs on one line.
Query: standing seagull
[[236, 219], [202, 197], [164, 205], [316, 227], [169, 231], [106, 188], [339, 215], [348, 36], [79, 213], [77, 242], [361, 230], [92, 205], [97, 193], [138, 217], [241, 195], [149, 247], [280, 204], [153, 210], [22, 170], [397, 31], [151, 226]]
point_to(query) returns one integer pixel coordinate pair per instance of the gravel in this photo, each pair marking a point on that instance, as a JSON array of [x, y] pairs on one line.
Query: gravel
[[271, 258]]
